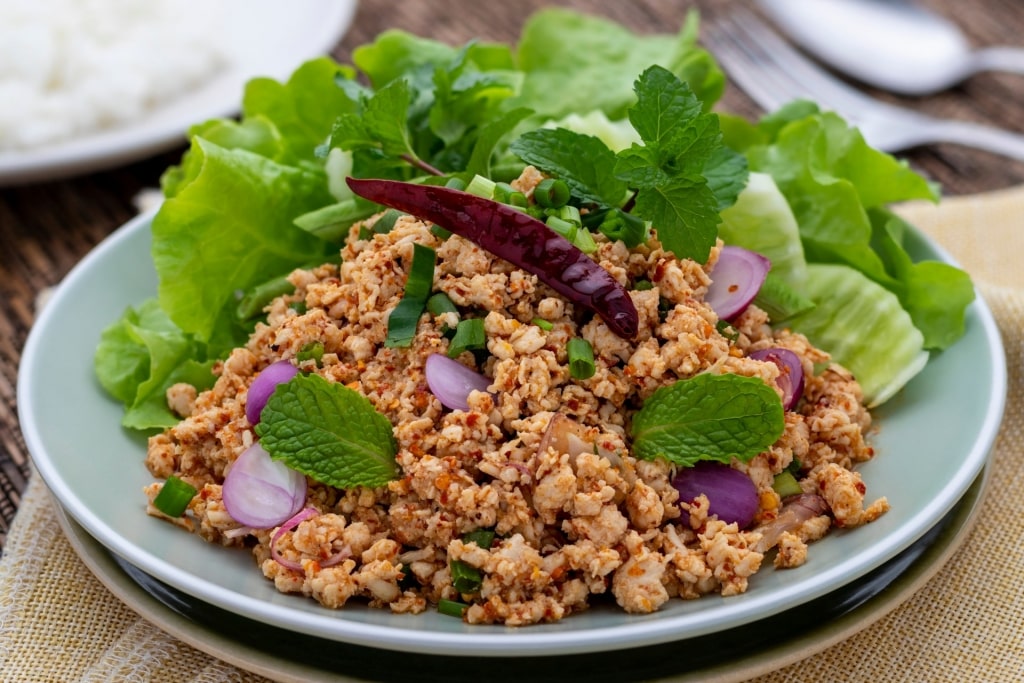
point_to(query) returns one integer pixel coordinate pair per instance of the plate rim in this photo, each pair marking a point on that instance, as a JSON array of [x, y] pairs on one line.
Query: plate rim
[[524, 641], [104, 566], [105, 148]]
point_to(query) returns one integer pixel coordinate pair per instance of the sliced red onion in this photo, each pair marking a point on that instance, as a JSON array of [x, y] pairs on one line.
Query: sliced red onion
[[735, 281], [260, 492], [731, 495], [297, 519], [795, 511], [452, 382], [791, 373], [263, 386]]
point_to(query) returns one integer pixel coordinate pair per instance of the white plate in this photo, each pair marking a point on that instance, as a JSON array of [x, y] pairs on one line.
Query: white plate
[[934, 438], [751, 650], [264, 38]]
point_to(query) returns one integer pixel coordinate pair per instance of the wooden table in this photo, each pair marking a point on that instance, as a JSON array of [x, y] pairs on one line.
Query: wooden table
[[45, 228]]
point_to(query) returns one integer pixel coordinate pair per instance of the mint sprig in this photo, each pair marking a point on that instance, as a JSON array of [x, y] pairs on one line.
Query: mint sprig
[[682, 175], [328, 432], [708, 417]]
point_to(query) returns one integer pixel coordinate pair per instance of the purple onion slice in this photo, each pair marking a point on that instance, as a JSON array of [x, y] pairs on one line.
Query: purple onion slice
[[263, 386], [260, 492], [731, 494], [735, 281], [791, 373], [452, 382]]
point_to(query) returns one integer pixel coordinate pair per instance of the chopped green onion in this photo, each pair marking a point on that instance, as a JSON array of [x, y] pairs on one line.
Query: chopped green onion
[[406, 315], [581, 358], [312, 351], [452, 608], [643, 285], [543, 324], [465, 578], [440, 232], [456, 183], [585, 241], [469, 336], [174, 496], [481, 187], [785, 484], [518, 200], [482, 537], [298, 306], [502, 192], [440, 303], [571, 214], [562, 227], [551, 193], [621, 225]]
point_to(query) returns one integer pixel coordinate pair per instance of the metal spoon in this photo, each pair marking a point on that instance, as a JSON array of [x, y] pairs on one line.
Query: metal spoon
[[890, 44]]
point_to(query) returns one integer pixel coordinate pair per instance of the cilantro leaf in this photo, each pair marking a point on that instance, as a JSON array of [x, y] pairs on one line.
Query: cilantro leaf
[[329, 432], [582, 161], [708, 417]]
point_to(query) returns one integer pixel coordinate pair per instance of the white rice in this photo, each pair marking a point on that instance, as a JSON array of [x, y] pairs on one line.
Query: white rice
[[73, 67]]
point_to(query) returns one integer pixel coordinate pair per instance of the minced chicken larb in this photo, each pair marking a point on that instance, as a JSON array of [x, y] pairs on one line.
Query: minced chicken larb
[[567, 525]]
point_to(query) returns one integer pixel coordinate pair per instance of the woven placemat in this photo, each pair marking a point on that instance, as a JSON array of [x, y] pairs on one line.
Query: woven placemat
[[58, 623]]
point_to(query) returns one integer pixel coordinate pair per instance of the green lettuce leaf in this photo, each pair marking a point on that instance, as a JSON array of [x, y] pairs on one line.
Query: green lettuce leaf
[[577, 63], [140, 356], [229, 229]]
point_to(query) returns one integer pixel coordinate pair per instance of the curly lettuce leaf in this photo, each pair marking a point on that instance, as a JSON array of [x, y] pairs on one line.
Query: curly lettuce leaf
[[140, 356], [229, 229], [577, 63]]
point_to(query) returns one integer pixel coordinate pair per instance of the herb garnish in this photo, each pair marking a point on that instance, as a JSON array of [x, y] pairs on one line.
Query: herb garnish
[[680, 177], [328, 432], [708, 417]]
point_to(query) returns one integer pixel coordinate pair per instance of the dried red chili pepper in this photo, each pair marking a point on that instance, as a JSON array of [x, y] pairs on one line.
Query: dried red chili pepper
[[516, 237]]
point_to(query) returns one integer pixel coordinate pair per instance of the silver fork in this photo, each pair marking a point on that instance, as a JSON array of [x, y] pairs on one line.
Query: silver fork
[[773, 73]]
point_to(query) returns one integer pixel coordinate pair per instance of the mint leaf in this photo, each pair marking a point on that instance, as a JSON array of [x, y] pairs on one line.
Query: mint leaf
[[726, 173], [685, 216], [329, 432], [639, 167], [665, 108], [708, 417], [582, 161]]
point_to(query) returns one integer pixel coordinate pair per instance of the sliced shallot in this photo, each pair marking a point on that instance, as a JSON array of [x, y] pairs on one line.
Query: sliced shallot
[[735, 281], [263, 386], [260, 492], [732, 496], [791, 373], [297, 519], [452, 382], [795, 511]]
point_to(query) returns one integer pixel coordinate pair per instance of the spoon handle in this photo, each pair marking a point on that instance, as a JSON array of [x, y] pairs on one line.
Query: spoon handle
[[996, 140], [999, 58]]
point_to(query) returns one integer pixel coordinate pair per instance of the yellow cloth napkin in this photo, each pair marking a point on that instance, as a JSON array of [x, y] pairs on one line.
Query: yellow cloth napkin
[[58, 623]]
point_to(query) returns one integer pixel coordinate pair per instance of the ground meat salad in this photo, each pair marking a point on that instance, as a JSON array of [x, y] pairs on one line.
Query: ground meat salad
[[530, 504]]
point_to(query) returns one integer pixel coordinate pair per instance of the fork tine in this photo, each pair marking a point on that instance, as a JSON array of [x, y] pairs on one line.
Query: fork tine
[[771, 64], [749, 73]]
